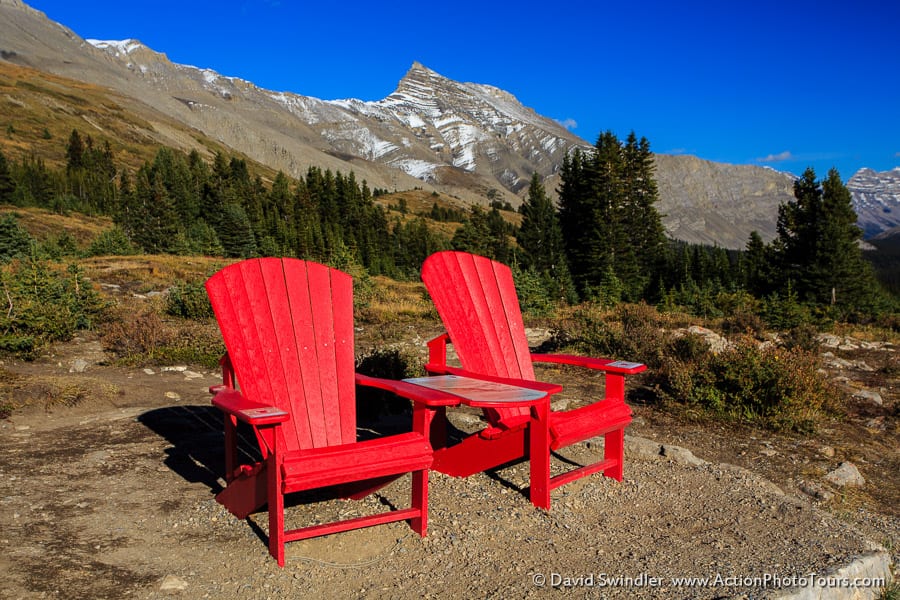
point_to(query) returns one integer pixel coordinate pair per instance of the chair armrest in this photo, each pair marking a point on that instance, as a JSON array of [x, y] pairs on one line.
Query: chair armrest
[[234, 403], [416, 393], [608, 365], [540, 386]]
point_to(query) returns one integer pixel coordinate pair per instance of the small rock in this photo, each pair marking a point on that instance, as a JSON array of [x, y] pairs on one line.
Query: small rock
[[175, 369], [149, 371], [870, 396], [172, 583], [639, 448], [876, 423], [846, 474], [559, 405], [78, 366], [827, 451], [829, 341], [768, 452], [816, 491], [682, 456], [173, 396], [192, 375]]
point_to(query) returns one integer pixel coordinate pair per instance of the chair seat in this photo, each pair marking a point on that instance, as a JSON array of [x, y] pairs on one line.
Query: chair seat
[[579, 424], [333, 465]]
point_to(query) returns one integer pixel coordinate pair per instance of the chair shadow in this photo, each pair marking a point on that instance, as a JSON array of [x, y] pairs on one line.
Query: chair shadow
[[525, 491], [197, 451], [196, 435]]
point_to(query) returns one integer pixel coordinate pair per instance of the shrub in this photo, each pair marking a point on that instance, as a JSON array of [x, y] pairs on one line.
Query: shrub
[[629, 331], [45, 305], [189, 301], [535, 295], [144, 338], [763, 384], [15, 242], [112, 242]]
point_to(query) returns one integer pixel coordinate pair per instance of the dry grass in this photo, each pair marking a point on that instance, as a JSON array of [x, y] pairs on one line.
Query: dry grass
[[48, 391], [394, 300], [150, 272], [42, 224]]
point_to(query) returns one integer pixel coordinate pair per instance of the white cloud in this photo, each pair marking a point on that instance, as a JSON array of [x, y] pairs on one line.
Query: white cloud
[[780, 157], [568, 123]]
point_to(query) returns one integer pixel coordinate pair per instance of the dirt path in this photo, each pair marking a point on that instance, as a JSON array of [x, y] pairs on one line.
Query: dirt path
[[114, 497]]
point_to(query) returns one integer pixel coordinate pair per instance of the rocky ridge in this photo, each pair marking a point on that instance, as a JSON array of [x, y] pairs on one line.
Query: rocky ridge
[[876, 199]]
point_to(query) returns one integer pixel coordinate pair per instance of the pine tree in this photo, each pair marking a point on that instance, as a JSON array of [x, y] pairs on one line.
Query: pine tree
[[817, 250], [756, 266], [608, 218], [540, 239], [74, 152], [7, 185], [641, 221]]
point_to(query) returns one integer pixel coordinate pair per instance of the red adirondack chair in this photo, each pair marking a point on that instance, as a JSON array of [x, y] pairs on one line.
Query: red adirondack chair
[[477, 302], [289, 373]]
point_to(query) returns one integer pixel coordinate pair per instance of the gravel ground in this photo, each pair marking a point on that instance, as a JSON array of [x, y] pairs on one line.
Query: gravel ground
[[116, 499]]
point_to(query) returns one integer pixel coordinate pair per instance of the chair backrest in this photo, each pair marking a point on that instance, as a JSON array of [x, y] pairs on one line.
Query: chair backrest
[[288, 329], [477, 302]]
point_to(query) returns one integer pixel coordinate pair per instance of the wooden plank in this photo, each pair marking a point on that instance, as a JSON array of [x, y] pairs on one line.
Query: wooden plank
[[513, 313], [321, 306], [267, 305], [304, 533], [345, 359], [304, 330]]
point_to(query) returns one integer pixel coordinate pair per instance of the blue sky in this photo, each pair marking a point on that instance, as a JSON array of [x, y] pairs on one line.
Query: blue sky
[[787, 84]]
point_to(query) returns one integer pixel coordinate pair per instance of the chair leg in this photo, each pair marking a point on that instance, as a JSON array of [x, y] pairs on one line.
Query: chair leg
[[276, 511], [419, 524], [539, 455], [614, 449]]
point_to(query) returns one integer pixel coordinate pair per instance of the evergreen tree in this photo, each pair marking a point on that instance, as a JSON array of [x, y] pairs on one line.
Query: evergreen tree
[[540, 239], [74, 152], [646, 239], [15, 242], [236, 233], [157, 226], [756, 266], [608, 218], [484, 233], [817, 250], [7, 184]]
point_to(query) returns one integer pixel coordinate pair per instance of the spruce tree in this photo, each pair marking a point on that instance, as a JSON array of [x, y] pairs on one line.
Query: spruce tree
[[817, 250], [540, 239], [7, 184], [608, 218]]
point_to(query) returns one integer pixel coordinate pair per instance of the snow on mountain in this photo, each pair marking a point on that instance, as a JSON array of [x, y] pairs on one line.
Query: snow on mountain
[[876, 199]]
